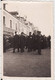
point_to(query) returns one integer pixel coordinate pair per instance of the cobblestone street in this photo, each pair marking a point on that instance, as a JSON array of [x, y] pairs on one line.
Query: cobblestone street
[[27, 64]]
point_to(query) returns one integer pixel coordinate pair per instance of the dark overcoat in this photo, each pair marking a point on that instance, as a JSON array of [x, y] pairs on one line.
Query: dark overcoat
[[34, 45], [16, 41], [22, 41], [30, 42]]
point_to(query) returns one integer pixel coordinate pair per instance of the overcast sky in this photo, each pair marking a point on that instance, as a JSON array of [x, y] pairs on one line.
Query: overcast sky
[[39, 13]]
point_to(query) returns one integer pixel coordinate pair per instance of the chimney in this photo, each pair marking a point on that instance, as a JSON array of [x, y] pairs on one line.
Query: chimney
[[14, 13]]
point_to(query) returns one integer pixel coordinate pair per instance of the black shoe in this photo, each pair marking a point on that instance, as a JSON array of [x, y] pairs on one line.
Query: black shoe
[[13, 51], [39, 53], [18, 50]]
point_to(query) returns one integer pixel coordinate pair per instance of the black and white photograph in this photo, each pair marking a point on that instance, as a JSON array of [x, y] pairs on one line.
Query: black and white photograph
[[27, 37]]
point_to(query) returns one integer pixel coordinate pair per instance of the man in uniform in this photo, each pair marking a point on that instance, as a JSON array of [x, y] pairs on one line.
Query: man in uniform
[[22, 42], [39, 42], [4, 43], [49, 41], [15, 42], [29, 42], [34, 38]]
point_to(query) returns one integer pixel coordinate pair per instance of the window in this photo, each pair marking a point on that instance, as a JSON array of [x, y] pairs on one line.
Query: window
[[16, 26], [4, 6], [10, 23], [4, 21]]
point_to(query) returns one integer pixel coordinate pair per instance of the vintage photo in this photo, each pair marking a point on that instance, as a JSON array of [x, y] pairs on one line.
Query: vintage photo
[[27, 39]]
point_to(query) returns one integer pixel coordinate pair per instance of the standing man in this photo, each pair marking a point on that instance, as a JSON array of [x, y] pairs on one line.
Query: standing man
[[15, 42], [22, 42], [29, 42], [49, 41], [39, 42], [34, 38], [4, 43]]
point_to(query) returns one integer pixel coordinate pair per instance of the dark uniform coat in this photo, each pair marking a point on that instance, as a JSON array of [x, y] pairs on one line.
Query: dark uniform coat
[[22, 43], [16, 41], [4, 44], [39, 44], [30, 42], [34, 45]]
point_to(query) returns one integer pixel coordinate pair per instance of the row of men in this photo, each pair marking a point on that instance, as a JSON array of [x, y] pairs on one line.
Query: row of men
[[31, 42]]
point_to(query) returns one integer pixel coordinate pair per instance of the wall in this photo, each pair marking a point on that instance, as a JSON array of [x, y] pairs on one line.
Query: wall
[[21, 27]]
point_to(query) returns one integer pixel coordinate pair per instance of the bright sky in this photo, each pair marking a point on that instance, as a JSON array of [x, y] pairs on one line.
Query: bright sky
[[39, 13]]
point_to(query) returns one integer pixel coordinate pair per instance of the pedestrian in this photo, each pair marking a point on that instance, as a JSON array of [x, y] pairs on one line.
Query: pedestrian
[[29, 42], [49, 41], [26, 42], [39, 42], [15, 42], [4, 43], [22, 42], [34, 41]]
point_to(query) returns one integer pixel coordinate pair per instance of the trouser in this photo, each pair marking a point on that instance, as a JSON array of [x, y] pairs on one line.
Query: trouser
[[22, 49], [29, 48], [14, 49], [39, 51]]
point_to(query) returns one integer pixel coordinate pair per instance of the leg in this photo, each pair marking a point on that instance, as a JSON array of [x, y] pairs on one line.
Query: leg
[[14, 50], [39, 51], [22, 49], [18, 49]]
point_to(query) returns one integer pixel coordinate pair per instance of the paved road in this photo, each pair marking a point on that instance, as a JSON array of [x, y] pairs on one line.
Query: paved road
[[27, 64]]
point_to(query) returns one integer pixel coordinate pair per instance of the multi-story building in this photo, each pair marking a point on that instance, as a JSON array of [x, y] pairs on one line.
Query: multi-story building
[[12, 23]]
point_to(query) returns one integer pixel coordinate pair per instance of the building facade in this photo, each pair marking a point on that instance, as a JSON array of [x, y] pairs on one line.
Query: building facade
[[12, 23]]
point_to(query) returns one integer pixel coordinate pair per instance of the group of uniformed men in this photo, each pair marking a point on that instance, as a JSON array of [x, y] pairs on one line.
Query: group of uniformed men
[[31, 42]]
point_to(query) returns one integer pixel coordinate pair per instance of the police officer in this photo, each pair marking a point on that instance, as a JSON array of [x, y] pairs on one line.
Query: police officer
[[15, 42], [22, 42], [29, 42]]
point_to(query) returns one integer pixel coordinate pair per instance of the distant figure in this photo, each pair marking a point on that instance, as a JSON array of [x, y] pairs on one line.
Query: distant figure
[[22, 42], [29, 42], [49, 41], [15, 42], [34, 39], [43, 42], [39, 42], [4, 43], [26, 42]]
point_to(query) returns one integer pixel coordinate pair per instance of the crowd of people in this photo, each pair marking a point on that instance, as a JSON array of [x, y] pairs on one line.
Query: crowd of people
[[33, 42]]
